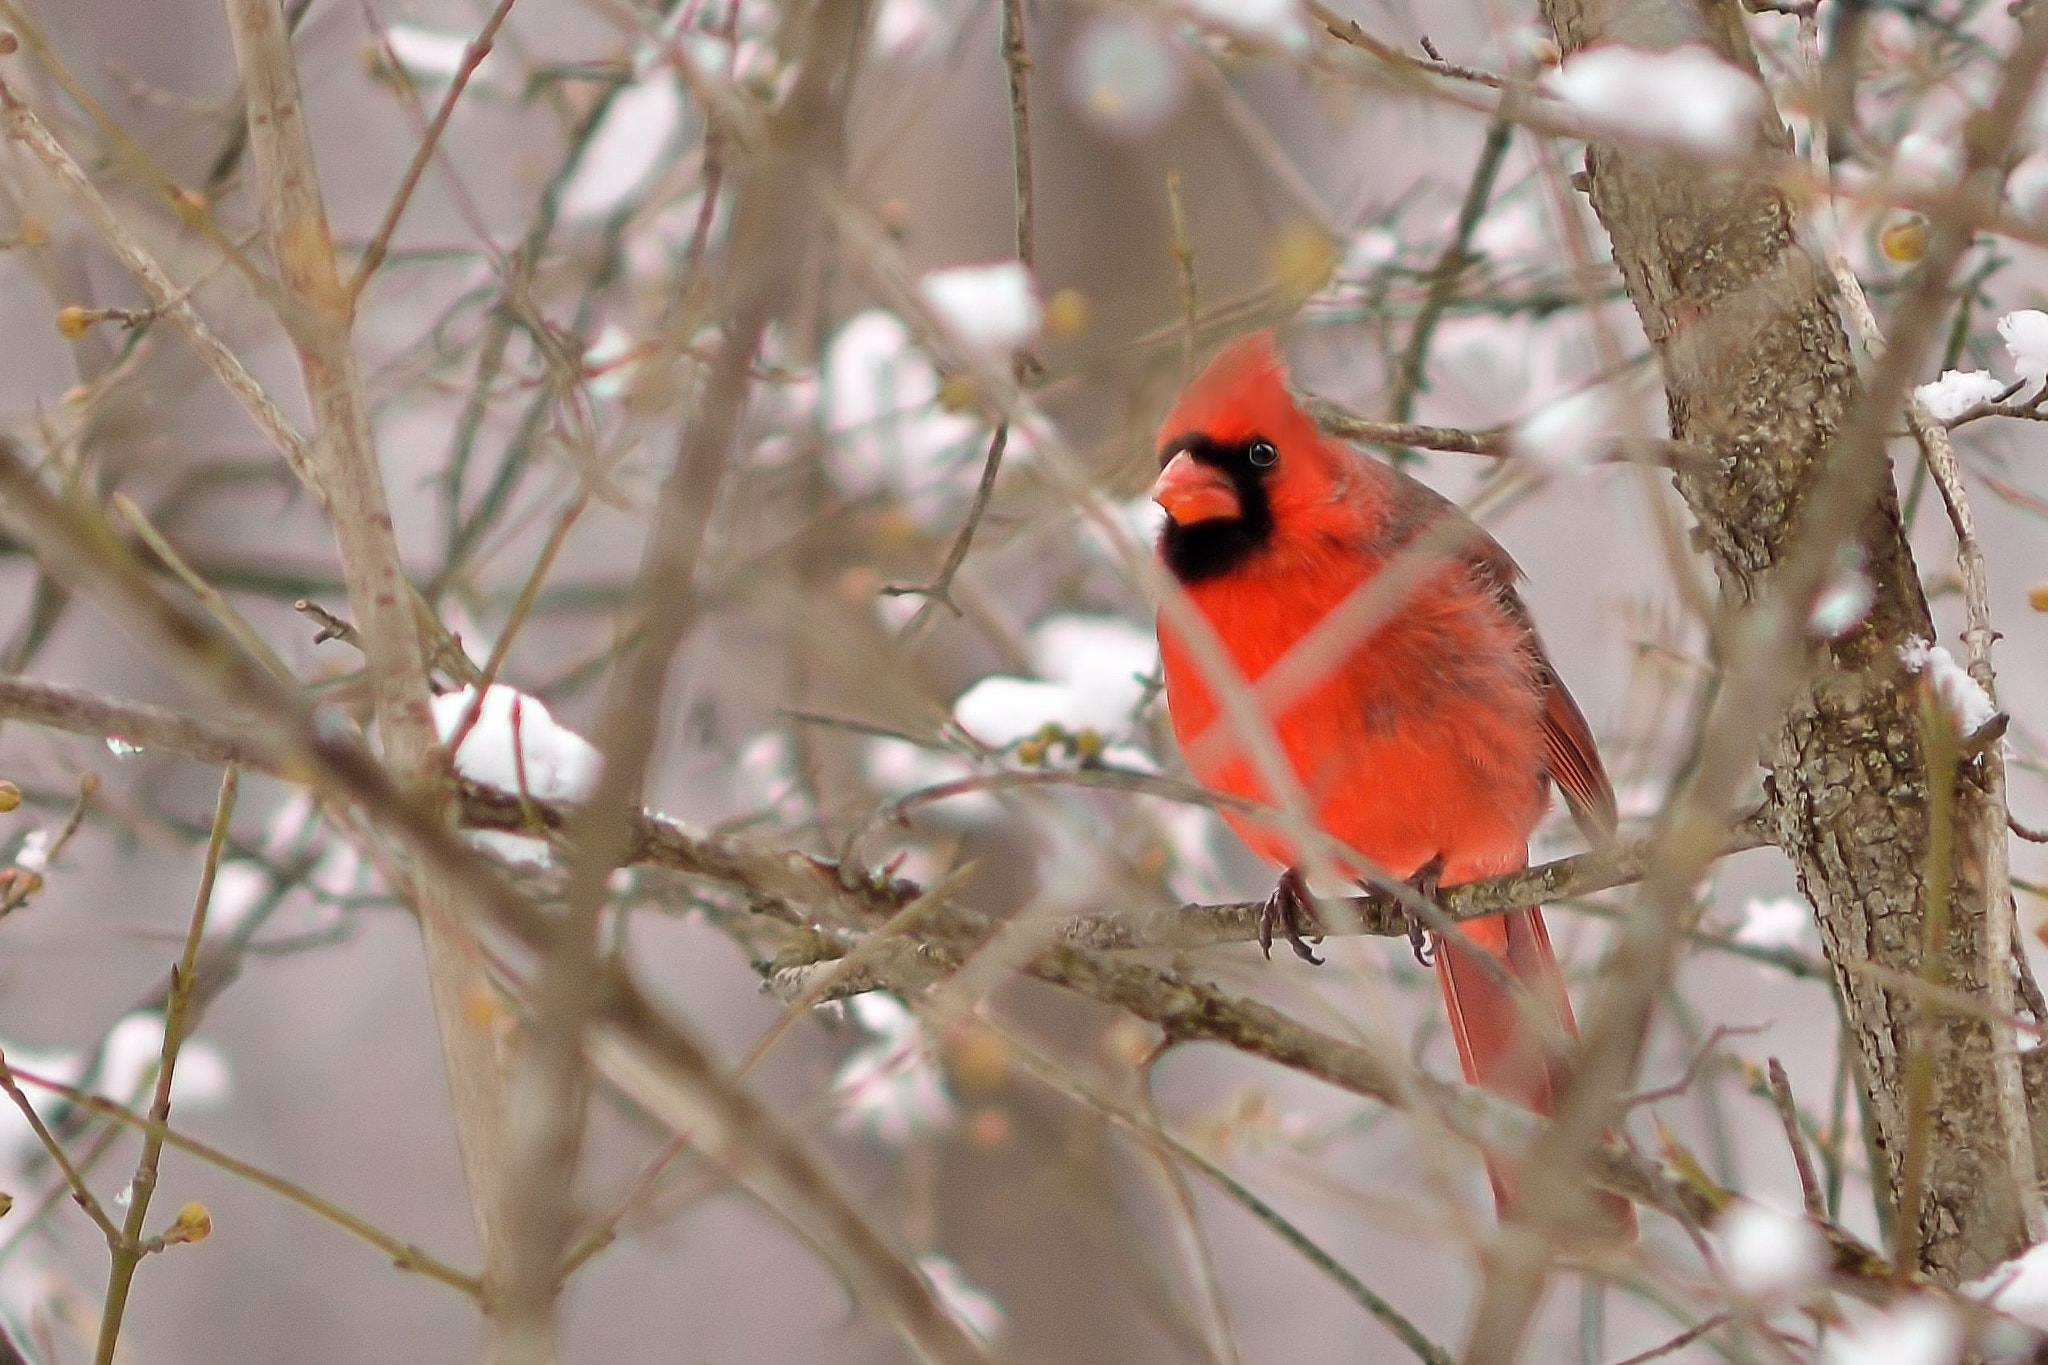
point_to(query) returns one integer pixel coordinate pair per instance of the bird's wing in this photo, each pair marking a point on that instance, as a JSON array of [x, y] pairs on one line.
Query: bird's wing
[[1570, 755]]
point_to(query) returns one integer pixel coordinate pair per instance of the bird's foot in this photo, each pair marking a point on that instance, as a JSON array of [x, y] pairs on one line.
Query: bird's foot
[[1425, 883], [1290, 910]]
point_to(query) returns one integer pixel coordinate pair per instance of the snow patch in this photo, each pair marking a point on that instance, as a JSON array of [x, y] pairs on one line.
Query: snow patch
[[1917, 1331], [888, 434], [1279, 22], [1566, 434], [560, 765], [1780, 922], [2026, 341], [627, 147], [893, 1089], [1123, 76], [1686, 97], [1094, 671], [2018, 1287], [964, 1301], [1841, 605], [1770, 1254], [1957, 391], [1966, 702], [991, 309]]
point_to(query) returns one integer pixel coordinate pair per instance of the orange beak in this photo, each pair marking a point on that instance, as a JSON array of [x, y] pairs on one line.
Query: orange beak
[[1192, 492]]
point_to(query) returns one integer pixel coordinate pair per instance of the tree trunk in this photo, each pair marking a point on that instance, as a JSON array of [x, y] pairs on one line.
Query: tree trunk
[[1760, 379]]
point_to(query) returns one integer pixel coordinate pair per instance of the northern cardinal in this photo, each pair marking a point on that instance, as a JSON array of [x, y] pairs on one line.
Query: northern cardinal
[[1428, 746]]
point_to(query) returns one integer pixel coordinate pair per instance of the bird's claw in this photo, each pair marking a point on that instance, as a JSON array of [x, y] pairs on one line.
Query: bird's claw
[[1427, 880], [1293, 913]]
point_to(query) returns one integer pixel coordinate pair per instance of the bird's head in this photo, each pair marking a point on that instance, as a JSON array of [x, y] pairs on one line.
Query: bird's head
[[1242, 467]]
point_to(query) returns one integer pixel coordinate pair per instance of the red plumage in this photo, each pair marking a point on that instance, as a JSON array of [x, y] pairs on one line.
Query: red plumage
[[1432, 739]]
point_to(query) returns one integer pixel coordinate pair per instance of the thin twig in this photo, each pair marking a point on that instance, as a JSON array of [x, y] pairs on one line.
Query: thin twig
[[403, 1255], [940, 590], [1347, 30], [1410, 372], [128, 1251], [80, 1191], [1788, 1115], [1679, 1342], [473, 55]]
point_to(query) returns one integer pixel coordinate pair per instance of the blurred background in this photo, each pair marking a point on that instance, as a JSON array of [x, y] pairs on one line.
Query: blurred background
[[1238, 162]]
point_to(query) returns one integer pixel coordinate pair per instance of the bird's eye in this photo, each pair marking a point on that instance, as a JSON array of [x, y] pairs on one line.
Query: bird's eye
[[1263, 454]]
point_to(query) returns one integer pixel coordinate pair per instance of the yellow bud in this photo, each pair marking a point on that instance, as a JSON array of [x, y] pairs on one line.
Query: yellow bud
[[978, 1060], [9, 44], [192, 1225], [10, 796], [480, 1008], [1089, 743], [31, 231], [1031, 753], [73, 322], [956, 393], [6, 1203], [2037, 597], [1303, 255], [1904, 241], [1066, 314]]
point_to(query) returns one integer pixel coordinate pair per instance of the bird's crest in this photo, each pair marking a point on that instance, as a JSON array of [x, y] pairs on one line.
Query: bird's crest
[[1242, 392]]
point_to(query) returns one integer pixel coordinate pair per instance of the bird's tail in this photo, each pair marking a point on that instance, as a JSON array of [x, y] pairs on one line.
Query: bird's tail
[[1502, 1049]]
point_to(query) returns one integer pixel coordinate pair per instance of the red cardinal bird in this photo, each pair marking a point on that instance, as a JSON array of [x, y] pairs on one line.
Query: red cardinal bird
[[1429, 746]]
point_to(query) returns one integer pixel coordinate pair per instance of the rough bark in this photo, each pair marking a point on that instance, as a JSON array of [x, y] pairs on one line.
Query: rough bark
[[1760, 377]]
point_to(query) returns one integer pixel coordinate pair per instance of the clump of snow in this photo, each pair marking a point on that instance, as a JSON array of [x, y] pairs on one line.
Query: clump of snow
[[896, 767], [1779, 922], [2018, 1287], [1958, 692], [1686, 97], [893, 1089], [1957, 391], [239, 886], [888, 434], [2026, 340], [128, 1058], [902, 28], [1279, 22], [626, 148], [1924, 161], [560, 765], [966, 1302], [1094, 671], [605, 362], [1770, 1254], [433, 55], [1367, 251], [1916, 1331], [1841, 605], [2027, 186], [1567, 433], [993, 309], [34, 853], [1123, 76]]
